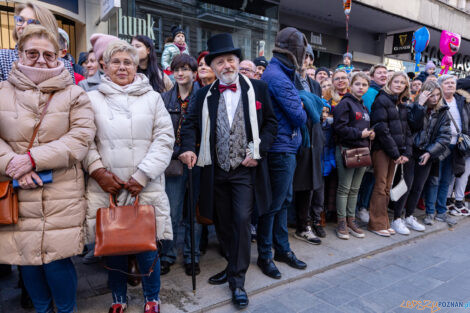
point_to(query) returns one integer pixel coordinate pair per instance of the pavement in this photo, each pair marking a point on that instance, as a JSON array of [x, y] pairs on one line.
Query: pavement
[[327, 282]]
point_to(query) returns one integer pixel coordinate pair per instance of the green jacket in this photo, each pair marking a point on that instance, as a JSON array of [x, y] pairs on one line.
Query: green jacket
[[169, 53]]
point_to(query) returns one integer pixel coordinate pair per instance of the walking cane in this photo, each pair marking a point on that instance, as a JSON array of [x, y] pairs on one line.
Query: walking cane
[[191, 226]]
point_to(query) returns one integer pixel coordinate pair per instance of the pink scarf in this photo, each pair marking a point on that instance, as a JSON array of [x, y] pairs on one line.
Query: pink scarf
[[181, 47], [38, 75]]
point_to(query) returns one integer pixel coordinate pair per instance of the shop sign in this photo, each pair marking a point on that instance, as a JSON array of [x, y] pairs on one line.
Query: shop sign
[[402, 43], [327, 43], [108, 7], [129, 26]]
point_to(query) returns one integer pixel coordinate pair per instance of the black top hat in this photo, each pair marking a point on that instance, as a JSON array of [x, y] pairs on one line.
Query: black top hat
[[221, 44]]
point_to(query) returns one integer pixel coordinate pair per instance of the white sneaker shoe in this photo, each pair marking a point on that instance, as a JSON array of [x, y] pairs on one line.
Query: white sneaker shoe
[[399, 226], [363, 215], [412, 223]]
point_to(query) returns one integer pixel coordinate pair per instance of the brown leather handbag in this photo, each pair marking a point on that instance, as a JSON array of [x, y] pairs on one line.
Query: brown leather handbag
[[123, 230], [357, 157], [8, 204]]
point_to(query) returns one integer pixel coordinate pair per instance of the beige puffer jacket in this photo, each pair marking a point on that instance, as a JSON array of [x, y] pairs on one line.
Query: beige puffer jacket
[[51, 218], [134, 138]]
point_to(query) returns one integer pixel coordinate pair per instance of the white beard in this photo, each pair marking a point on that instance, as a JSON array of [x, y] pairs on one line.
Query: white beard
[[228, 79]]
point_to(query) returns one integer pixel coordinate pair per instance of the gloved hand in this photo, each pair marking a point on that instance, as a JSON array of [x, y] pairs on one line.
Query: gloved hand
[[107, 180], [134, 187]]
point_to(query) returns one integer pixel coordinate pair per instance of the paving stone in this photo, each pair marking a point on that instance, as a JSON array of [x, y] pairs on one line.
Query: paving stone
[[272, 307], [384, 300], [415, 285], [314, 284], [297, 299], [358, 287], [361, 306], [446, 271], [336, 296], [322, 307]]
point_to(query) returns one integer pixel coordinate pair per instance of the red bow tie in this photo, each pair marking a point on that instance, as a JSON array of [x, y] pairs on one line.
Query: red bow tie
[[232, 87]]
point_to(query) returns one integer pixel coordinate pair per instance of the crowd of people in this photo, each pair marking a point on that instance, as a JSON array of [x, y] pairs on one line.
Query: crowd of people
[[268, 144]]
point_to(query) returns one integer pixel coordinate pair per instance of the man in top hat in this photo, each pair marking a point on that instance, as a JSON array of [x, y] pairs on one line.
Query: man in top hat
[[234, 123]]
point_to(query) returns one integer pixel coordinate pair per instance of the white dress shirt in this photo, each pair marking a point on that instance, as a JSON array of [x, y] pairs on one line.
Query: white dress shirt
[[231, 100]]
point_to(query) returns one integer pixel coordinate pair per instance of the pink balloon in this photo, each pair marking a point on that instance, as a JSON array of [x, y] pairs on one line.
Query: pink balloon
[[449, 45]]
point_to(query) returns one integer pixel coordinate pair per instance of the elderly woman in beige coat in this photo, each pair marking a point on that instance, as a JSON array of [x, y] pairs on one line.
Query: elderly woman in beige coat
[[51, 216], [132, 148]]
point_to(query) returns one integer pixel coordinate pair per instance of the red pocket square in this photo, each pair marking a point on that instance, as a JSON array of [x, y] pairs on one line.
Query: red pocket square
[[258, 105]]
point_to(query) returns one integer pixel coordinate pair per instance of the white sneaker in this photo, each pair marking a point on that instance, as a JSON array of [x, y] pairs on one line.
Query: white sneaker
[[363, 215], [399, 226], [412, 223]]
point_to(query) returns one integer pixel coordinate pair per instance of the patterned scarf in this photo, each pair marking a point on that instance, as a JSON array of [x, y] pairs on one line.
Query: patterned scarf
[[184, 108]]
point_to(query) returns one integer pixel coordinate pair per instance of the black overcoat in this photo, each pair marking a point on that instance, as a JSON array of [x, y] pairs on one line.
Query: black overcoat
[[267, 124]]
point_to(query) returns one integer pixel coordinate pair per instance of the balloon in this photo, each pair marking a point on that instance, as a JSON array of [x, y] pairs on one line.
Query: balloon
[[420, 42], [347, 6], [450, 44]]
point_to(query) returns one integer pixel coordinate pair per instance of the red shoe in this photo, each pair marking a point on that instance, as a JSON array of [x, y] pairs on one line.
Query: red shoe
[[421, 205], [117, 308], [152, 307]]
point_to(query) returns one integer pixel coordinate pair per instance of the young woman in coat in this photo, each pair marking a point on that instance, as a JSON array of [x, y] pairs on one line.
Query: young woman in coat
[[351, 127], [51, 216], [430, 124], [29, 13], [132, 149], [392, 146]]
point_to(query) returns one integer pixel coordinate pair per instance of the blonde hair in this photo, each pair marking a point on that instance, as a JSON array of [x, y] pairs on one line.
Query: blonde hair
[[405, 93], [358, 75], [43, 15], [120, 46], [40, 32], [431, 86], [335, 96]]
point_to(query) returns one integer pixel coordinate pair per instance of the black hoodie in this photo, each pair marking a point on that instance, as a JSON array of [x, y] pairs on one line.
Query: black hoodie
[[350, 119]]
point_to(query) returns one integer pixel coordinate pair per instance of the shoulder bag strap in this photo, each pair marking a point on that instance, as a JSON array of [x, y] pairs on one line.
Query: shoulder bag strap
[[36, 129], [453, 122]]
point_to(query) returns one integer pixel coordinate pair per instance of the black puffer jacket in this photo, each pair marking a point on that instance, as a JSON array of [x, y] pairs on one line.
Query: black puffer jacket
[[390, 122], [431, 130], [350, 119]]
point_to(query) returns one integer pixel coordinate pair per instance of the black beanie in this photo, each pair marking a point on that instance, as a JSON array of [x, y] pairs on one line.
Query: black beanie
[[322, 69], [175, 30], [261, 61]]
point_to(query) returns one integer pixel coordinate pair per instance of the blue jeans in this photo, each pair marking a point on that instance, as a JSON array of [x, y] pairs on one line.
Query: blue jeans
[[117, 281], [176, 190], [436, 192], [272, 226], [56, 280], [365, 192]]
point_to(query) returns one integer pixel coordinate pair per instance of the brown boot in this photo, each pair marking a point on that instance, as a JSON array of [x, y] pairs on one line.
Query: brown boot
[[342, 229], [354, 228]]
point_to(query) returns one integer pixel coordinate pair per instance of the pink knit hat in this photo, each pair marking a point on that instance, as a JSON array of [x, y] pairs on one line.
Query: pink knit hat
[[100, 42]]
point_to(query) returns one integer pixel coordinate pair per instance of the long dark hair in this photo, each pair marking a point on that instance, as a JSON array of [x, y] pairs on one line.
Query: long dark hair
[[153, 71]]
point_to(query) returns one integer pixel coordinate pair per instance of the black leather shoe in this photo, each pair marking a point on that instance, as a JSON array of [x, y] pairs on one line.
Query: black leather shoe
[[291, 260], [164, 267], [188, 269], [219, 278], [240, 298], [269, 268]]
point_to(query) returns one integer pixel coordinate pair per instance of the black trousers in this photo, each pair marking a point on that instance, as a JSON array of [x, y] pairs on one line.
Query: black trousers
[[415, 178], [233, 196], [308, 207]]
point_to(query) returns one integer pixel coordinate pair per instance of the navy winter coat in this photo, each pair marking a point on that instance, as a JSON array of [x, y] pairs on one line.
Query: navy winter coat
[[390, 122], [287, 106], [350, 119]]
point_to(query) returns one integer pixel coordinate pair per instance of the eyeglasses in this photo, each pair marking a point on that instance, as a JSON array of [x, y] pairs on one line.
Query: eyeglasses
[[117, 63], [245, 69], [19, 20], [33, 55]]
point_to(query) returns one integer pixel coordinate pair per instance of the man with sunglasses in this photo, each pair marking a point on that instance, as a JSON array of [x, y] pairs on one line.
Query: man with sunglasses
[[28, 14]]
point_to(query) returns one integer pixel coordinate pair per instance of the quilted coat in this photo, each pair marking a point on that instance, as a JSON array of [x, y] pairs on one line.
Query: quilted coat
[[135, 138], [51, 217]]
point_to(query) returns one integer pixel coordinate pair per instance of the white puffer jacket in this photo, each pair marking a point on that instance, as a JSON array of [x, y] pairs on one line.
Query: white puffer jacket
[[135, 138]]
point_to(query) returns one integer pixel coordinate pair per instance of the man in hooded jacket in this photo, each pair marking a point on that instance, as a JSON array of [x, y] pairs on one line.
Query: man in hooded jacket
[[288, 55]]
